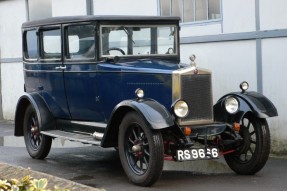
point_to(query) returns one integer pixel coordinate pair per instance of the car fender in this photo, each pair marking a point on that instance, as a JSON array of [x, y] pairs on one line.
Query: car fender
[[254, 102], [45, 119], [155, 115]]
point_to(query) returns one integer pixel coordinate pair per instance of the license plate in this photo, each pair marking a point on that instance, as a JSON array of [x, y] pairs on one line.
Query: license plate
[[197, 154]]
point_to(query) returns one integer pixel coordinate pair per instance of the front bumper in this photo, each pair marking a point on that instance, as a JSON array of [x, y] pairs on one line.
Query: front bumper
[[201, 134], [208, 130]]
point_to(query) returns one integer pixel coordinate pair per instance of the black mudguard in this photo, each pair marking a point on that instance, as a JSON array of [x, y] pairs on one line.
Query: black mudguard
[[45, 119], [254, 102], [155, 115]]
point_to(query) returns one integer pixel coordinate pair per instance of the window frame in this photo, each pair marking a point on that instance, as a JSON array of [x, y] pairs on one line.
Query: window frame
[[182, 22], [164, 56], [66, 42], [41, 43], [25, 47]]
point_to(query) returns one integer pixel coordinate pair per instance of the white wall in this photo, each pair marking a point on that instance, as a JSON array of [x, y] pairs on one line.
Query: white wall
[[230, 63], [68, 7], [275, 88], [12, 80], [11, 47], [39, 9], [273, 14], [238, 16], [12, 15], [125, 7], [211, 28]]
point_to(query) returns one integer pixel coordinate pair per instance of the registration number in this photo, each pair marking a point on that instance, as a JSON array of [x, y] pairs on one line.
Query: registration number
[[197, 154]]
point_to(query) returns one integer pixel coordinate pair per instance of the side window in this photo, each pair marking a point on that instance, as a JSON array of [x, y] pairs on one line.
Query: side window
[[51, 44], [31, 48], [81, 42]]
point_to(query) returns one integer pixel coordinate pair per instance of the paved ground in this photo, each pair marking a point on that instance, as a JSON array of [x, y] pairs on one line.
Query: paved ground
[[101, 168]]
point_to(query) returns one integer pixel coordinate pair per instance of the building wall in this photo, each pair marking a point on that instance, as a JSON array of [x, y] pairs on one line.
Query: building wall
[[12, 87], [12, 81], [229, 68], [248, 43], [125, 7], [69, 7], [250, 46], [275, 88], [10, 27], [273, 14], [238, 16]]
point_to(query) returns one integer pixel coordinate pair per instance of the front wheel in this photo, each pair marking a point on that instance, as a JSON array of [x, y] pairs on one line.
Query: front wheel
[[38, 145], [141, 150], [254, 151]]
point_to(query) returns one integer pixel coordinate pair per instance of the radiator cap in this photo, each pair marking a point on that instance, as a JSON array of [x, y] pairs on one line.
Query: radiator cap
[[193, 64]]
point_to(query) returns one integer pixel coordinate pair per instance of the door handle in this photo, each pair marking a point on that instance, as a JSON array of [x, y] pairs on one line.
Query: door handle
[[61, 68]]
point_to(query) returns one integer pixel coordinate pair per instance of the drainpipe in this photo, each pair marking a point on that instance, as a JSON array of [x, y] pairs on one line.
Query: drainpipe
[[90, 7], [1, 108]]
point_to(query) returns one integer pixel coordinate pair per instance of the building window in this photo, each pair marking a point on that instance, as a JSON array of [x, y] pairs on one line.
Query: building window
[[191, 10]]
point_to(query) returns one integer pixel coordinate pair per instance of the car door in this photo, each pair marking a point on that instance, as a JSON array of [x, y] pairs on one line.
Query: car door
[[50, 72], [81, 72]]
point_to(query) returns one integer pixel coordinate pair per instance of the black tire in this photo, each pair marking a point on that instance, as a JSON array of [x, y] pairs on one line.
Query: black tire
[[254, 151], [37, 145], [144, 165]]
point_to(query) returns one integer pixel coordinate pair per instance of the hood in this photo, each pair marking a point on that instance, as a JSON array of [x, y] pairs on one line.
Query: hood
[[144, 65]]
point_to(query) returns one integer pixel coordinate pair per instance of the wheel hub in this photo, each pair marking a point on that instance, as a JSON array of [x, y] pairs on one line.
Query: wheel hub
[[34, 131], [136, 148]]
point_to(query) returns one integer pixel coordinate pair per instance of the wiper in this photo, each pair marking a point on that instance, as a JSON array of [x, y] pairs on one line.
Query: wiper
[[127, 32]]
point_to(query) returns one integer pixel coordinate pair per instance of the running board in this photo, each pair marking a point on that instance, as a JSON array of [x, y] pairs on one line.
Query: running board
[[87, 139]]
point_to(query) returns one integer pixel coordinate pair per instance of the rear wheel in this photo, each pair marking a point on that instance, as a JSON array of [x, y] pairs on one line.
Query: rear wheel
[[254, 151], [38, 145], [141, 150]]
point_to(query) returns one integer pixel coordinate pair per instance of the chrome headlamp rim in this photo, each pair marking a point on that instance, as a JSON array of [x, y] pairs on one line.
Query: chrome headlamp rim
[[180, 108], [244, 86], [231, 105], [139, 93]]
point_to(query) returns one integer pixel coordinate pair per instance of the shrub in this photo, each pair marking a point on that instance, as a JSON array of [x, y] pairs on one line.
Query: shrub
[[27, 183]]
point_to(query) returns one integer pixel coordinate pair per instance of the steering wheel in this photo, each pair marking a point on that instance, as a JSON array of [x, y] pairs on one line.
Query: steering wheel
[[170, 51], [118, 49]]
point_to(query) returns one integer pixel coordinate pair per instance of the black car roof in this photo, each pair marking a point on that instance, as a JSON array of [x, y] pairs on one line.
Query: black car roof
[[72, 19]]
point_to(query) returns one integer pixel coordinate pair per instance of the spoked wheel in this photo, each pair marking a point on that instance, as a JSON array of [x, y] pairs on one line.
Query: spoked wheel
[[140, 150], [38, 145], [254, 150]]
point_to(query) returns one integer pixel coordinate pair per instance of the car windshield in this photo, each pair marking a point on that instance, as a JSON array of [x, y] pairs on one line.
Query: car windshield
[[121, 40]]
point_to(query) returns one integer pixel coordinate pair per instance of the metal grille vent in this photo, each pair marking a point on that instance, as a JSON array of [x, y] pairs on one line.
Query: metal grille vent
[[196, 90]]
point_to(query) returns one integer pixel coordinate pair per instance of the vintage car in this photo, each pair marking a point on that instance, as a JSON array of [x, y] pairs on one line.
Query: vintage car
[[117, 81]]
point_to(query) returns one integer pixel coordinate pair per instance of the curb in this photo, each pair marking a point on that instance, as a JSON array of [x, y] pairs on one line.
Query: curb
[[8, 172]]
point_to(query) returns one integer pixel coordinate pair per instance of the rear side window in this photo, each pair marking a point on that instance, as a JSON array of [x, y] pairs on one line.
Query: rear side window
[[31, 48], [51, 44], [81, 42]]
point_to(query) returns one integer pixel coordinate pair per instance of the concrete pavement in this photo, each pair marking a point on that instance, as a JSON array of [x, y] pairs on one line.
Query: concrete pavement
[[8, 171], [101, 168]]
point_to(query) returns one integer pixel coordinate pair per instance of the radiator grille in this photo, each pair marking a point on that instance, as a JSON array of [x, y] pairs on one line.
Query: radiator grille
[[196, 90]]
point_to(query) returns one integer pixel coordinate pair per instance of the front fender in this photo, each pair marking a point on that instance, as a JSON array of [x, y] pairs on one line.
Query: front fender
[[254, 102], [45, 119], [155, 115]]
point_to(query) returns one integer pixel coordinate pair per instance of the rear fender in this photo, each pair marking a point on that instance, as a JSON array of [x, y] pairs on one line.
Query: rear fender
[[155, 115], [45, 119], [253, 102]]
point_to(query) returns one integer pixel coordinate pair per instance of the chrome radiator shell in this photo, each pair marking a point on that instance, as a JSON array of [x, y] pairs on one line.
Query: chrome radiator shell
[[196, 90]]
